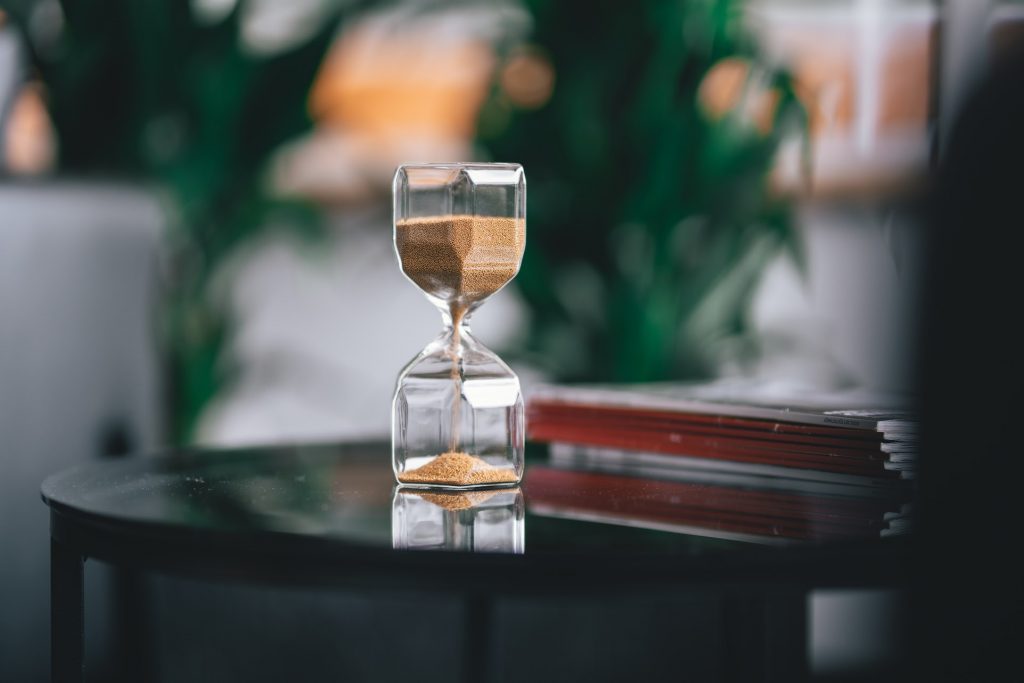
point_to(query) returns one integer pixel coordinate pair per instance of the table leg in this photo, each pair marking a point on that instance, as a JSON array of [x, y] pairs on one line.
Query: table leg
[[67, 613], [477, 641], [766, 636], [131, 611], [786, 630]]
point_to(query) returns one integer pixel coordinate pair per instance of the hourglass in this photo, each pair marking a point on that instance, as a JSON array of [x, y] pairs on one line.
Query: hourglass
[[457, 416]]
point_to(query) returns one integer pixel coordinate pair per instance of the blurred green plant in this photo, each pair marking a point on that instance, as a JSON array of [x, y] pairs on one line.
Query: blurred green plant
[[158, 91], [650, 217]]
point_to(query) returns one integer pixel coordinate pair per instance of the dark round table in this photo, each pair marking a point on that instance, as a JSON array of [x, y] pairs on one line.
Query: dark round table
[[331, 515]]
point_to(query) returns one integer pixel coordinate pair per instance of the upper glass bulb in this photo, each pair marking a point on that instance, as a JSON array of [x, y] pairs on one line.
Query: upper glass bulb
[[460, 230]]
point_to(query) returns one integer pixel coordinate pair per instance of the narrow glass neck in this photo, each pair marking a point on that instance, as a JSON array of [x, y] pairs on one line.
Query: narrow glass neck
[[451, 318]]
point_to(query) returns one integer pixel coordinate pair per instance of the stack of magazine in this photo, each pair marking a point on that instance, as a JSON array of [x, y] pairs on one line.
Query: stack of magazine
[[765, 455]]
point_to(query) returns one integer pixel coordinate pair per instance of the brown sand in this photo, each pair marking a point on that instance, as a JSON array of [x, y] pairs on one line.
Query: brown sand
[[460, 259], [458, 469], [458, 501]]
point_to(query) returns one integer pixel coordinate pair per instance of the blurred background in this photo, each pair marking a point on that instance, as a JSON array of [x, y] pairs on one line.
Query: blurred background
[[195, 238]]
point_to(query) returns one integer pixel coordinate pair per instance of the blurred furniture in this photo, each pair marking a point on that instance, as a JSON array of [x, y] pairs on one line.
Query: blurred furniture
[[79, 376], [328, 516]]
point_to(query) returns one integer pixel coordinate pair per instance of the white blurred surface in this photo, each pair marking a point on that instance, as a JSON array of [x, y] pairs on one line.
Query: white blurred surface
[[856, 632], [78, 269], [849, 318]]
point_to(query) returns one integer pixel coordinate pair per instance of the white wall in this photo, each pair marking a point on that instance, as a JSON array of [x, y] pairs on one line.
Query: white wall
[[77, 286]]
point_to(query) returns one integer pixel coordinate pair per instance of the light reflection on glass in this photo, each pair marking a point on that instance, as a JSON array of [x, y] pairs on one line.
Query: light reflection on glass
[[485, 521]]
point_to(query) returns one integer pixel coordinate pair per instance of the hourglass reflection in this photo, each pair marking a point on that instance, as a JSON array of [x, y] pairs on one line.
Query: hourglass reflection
[[457, 416], [471, 521]]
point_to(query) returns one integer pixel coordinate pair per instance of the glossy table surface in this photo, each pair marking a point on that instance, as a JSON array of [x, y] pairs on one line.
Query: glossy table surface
[[333, 512]]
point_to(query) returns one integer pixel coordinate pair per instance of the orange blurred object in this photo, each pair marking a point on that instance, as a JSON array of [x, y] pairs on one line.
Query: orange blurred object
[[402, 82], [29, 139], [863, 74], [392, 89], [733, 86], [528, 79], [722, 87]]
